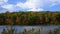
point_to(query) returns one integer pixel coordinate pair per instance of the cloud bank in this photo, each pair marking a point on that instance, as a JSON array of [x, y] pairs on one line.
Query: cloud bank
[[3, 1], [31, 5]]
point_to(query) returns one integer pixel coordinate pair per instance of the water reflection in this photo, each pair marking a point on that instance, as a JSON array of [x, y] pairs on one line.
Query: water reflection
[[19, 29]]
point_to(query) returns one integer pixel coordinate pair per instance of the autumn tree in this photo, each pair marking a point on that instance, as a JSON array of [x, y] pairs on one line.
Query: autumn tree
[[17, 20], [41, 19], [25, 21], [58, 18], [9, 21]]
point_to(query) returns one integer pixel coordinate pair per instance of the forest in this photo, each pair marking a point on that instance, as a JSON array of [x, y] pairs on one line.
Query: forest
[[30, 18]]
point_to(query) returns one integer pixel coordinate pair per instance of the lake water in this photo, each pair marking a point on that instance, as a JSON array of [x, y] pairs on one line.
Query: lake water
[[44, 29]]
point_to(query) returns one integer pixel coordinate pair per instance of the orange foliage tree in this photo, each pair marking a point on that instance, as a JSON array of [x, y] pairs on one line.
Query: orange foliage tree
[[17, 20]]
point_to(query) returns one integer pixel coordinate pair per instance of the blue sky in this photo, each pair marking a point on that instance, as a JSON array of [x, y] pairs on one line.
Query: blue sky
[[29, 5]]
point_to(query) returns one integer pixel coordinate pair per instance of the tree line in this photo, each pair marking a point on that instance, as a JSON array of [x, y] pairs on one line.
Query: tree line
[[30, 18]]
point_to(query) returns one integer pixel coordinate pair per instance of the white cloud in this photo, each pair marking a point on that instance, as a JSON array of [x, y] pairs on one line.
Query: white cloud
[[38, 3], [3, 1], [32, 5], [34, 9], [8, 6], [21, 5], [54, 2]]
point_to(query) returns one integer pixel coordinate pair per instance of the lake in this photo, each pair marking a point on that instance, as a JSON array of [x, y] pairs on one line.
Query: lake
[[18, 29]]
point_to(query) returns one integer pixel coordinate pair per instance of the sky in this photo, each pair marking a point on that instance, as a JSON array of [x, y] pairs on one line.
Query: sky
[[29, 5]]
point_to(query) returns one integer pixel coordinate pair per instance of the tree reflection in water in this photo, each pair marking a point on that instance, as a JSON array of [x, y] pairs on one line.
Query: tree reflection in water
[[31, 31]]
